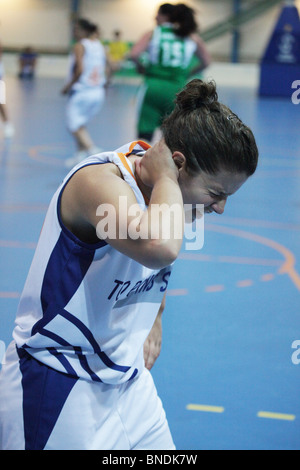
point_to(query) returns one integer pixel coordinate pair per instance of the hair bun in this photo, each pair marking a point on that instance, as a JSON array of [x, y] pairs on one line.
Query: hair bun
[[87, 25], [197, 94]]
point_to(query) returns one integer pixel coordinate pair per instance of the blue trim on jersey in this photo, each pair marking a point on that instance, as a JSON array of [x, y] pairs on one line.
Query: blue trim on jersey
[[66, 269], [134, 374], [45, 392], [84, 364], [61, 358], [89, 336], [89, 246]]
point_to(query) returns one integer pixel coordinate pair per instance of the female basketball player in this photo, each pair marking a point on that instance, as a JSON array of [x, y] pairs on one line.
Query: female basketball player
[[171, 47], [85, 87], [74, 376], [8, 128]]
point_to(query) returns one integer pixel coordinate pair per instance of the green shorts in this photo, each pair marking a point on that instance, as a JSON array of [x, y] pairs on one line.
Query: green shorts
[[158, 102]]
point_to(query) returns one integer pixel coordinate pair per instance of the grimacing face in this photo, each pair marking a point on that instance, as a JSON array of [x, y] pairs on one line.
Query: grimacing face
[[210, 190]]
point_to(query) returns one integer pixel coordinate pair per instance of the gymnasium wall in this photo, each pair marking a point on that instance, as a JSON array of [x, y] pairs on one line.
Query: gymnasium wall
[[45, 24]]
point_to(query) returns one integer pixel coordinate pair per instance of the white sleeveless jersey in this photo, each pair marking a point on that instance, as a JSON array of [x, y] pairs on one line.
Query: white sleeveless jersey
[[1, 70], [86, 310], [94, 63]]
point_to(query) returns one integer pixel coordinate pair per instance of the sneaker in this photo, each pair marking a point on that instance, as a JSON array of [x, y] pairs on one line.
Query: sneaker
[[8, 130], [78, 157]]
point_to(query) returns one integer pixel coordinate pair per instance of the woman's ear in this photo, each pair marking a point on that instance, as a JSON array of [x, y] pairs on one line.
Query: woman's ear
[[179, 159]]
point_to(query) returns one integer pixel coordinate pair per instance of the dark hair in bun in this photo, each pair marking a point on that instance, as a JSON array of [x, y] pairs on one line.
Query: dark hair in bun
[[208, 133], [196, 95], [87, 26], [184, 19], [182, 16], [167, 9]]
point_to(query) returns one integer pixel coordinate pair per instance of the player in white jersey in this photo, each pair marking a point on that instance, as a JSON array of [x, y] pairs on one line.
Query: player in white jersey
[[8, 128], [75, 377], [85, 87]]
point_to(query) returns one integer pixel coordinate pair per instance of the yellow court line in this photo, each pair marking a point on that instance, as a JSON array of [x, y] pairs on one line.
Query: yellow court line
[[281, 416], [260, 414], [206, 408]]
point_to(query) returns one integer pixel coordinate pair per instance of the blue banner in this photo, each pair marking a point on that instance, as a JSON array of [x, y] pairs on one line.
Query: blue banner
[[280, 65], [284, 46]]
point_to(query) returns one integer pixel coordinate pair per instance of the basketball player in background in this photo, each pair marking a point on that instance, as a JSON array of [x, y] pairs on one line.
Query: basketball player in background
[[172, 46], [85, 87], [8, 128]]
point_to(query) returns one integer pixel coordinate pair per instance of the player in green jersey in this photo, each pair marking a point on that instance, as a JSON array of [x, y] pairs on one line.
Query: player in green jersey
[[171, 47]]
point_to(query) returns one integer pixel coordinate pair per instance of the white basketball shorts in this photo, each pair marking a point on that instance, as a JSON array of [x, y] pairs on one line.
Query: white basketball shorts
[[42, 409], [82, 106]]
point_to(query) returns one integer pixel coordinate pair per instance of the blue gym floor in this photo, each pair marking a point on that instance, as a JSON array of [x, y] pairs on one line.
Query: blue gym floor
[[225, 374]]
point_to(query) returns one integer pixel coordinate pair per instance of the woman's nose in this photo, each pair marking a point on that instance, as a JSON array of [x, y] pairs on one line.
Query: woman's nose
[[219, 206]]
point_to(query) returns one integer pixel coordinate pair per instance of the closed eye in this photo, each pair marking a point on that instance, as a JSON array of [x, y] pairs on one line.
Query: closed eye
[[219, 197]]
